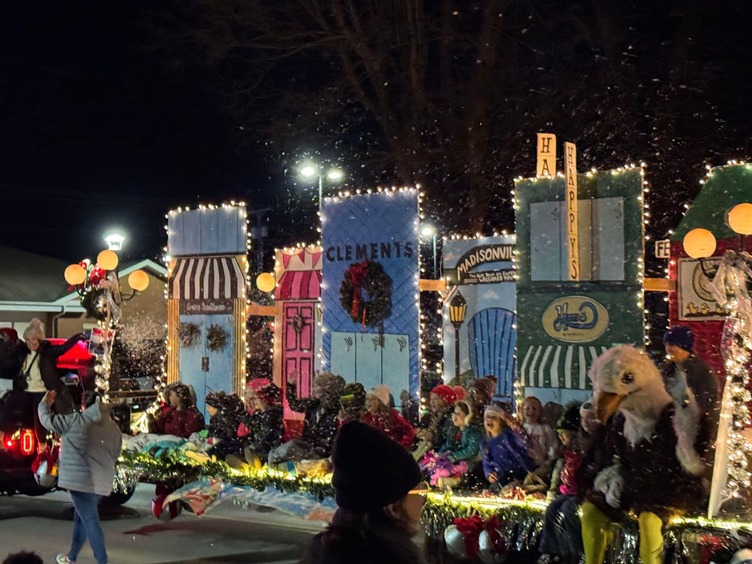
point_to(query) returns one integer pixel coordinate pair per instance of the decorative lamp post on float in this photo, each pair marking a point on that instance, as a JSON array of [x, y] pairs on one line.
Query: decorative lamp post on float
[[729, 280], [457, 312], [99, 288], [310, 170]]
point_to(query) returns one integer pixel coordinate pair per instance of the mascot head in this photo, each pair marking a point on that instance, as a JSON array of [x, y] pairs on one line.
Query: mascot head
[[625, 378]]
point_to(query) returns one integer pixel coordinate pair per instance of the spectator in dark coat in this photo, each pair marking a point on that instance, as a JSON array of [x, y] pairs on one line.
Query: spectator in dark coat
[[379, 507], [46, 355]]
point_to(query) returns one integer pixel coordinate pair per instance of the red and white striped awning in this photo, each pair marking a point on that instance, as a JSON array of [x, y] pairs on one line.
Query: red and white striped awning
[[299, 285], [207, 278]]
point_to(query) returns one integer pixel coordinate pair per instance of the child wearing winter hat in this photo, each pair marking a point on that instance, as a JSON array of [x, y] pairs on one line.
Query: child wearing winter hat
[[380, 416], [226, 412], [352, 402], [504, 451], [562, 533], [376, 484], [437, 425], [460, 450], [321, 419]]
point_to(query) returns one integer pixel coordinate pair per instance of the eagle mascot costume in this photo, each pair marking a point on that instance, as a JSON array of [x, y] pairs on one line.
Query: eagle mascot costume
[[644, 459]]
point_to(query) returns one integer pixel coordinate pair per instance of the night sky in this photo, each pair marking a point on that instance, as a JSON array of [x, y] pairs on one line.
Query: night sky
[[95, 135], [100, 129]]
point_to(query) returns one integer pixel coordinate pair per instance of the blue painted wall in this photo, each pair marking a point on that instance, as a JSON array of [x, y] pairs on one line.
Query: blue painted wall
[[388, 224]]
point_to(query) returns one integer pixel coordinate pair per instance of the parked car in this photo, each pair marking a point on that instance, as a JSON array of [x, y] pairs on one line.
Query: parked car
[[18, 442]]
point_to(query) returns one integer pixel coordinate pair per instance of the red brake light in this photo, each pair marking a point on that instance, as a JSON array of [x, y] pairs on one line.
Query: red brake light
[[27, 442]]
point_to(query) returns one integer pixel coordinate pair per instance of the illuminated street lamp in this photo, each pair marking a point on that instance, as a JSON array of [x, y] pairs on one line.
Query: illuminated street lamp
[[457, 312], [99, 287], [114, 241], [310, 170]]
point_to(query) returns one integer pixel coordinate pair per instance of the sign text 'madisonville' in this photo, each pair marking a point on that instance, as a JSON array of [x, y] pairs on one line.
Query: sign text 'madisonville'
[[482, 255], [369, 251]]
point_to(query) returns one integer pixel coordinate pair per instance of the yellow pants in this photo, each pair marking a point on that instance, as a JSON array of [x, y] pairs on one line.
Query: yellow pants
[[595, 527]]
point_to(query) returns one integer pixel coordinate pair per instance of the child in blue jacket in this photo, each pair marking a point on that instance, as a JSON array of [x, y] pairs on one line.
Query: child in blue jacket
[[504, 450]]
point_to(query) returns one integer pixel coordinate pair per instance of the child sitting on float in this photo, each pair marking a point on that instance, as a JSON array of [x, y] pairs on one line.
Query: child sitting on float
[[352, 403], [459, 452], [226, 412], [321, 418], [380, 416], [437, 425], [504, 450], [179, 415], [543, 444], [562, 532]]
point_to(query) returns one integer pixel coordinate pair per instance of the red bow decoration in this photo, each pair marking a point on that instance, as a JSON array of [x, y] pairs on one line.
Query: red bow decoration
[[357, 276], [494, 526], [470, 529], [97, 275]]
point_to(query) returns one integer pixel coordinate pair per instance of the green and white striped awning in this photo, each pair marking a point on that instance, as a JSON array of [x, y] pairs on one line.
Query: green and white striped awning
[[558, 366]]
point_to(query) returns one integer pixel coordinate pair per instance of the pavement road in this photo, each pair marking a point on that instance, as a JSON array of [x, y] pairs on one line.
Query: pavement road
[[229, 533]]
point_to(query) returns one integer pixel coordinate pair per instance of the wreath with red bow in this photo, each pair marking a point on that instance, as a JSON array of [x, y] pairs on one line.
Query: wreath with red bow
[[366, 293]]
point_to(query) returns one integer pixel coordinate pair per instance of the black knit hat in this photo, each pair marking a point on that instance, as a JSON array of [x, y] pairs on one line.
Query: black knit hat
[[681, 336], [570, 419], [370, 469]]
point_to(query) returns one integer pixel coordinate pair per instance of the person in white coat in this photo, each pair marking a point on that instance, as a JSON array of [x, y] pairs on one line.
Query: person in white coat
[[91, 443]]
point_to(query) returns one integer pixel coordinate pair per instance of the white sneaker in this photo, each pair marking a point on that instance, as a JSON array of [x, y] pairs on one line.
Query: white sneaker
[[63, 559]]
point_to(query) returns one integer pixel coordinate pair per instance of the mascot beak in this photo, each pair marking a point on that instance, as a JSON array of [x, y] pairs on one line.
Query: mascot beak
[[606, 405]]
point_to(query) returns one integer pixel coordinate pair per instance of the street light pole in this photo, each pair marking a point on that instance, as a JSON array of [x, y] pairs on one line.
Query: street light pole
[[310, 170], [321, 189], [435, 267]]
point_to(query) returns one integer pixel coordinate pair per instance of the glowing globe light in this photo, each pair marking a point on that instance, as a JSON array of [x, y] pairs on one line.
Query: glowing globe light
[[740, 219], [138, 280], [266, 282], [699, 243], [108, 260], [75, 274]]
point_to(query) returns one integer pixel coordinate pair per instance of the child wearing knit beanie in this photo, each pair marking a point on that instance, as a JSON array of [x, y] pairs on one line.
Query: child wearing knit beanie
[[380, 416]]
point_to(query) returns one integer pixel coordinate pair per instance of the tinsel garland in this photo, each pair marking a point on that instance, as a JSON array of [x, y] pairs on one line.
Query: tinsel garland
[[167, 468], [685, 539]]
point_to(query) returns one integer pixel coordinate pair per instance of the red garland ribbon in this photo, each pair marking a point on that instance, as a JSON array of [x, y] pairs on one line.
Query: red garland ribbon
[[356, 274], [470, 529]]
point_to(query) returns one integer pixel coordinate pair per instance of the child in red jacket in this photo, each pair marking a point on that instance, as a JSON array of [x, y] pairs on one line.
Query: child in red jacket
[[379, 415]]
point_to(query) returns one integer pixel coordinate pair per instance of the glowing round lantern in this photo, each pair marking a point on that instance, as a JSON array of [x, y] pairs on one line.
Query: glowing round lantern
[[138, 280], [108, 260], [699, 243], [740, 219], [75, 274], [265, 282]]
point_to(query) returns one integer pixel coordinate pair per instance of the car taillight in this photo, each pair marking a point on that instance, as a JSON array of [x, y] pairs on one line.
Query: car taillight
[[27, 441], [21, 441]]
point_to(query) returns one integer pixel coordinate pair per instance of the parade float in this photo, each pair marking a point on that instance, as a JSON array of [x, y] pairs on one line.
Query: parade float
[[579, 291]]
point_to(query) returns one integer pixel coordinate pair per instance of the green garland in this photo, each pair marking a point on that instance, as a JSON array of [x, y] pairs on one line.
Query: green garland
[[168, 468], [377, 286]]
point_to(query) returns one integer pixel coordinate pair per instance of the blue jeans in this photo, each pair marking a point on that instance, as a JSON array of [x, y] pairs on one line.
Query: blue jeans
[[86, 525]]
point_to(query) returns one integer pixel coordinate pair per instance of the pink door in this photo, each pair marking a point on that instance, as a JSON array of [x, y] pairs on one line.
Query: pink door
[[298, 335]]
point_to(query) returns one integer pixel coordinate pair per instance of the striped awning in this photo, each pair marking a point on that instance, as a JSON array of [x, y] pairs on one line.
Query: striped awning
[[558, 366], [299, 285], [207, 278]]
